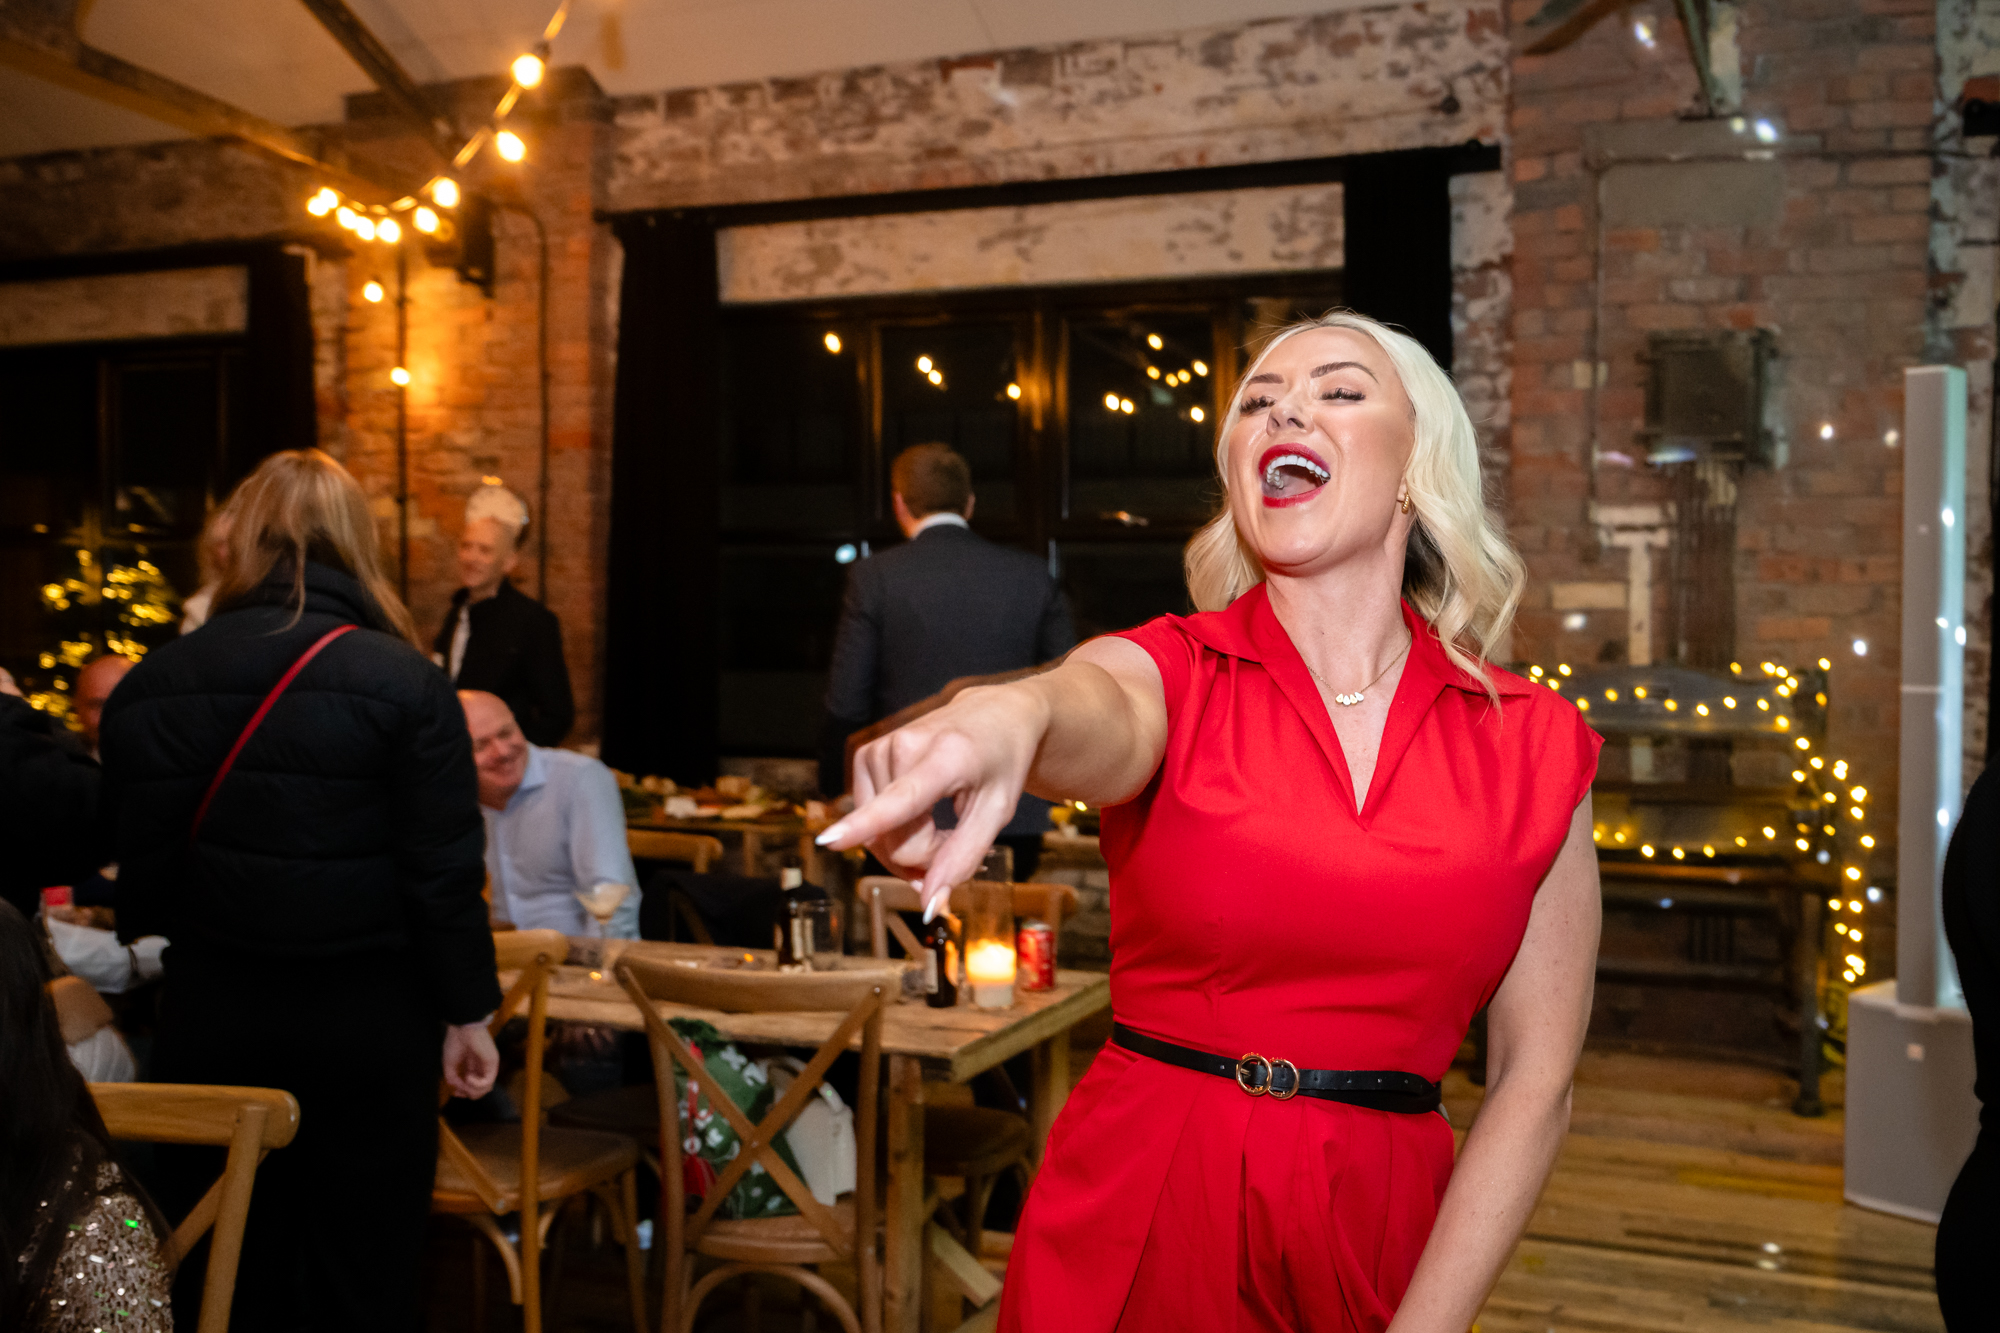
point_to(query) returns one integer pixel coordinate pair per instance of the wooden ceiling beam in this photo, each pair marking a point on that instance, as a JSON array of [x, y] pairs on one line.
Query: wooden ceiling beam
[[376, 61], [40, 38]]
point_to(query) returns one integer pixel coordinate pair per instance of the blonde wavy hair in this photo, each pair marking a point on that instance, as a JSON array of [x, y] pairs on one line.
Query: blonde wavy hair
[[1459, 570], [301, 505]]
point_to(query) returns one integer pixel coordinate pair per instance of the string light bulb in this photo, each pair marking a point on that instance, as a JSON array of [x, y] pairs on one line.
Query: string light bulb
[[371, 292], [425, 221], [1196, 415], [364, 228], [444, 192], [832, 341], [508, 144], [388, 231], [347, 217], [400, 377], [529, 69], [1014, 392], [323, 203]]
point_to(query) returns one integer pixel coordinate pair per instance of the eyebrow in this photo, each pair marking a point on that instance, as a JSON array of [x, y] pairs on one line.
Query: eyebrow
[[1269, 377]]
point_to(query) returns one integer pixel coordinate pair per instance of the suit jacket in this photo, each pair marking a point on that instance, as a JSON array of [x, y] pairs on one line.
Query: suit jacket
[[920, 615], [515, 651]]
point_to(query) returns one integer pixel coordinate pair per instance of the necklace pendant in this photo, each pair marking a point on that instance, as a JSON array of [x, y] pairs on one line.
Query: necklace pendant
[[1349, 700]]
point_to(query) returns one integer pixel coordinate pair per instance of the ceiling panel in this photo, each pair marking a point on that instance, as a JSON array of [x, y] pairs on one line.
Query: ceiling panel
[[41, 117]]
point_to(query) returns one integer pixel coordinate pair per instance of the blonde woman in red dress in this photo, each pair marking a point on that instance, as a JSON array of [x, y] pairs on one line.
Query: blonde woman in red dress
[[1335, 832]]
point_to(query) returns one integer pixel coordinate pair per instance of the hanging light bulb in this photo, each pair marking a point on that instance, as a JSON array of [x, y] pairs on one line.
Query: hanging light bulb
[[364, 228], [388, 230], [528, 70], [508, 144], [444, 191], [347, 217], [372, 292], [323, 203], [425, 221], [400, 376]]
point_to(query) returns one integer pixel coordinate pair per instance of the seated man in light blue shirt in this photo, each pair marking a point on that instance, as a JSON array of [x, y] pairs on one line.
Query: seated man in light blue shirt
[[555, 827]]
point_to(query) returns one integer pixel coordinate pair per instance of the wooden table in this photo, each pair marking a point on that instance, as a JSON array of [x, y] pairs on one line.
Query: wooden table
[[752, 832], [922, 1045]]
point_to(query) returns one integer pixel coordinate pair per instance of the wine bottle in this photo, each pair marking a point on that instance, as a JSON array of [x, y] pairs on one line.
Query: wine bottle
[[788, 930], [940, 990]]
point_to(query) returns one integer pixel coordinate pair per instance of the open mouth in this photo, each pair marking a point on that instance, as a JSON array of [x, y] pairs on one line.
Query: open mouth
[[1291, 473]]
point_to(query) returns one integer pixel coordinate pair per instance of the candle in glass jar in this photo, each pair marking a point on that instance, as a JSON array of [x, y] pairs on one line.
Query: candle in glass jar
[[989, 969]]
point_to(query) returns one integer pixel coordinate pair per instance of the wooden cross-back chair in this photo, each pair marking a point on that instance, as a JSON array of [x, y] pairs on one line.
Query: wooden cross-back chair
[[487, 1171], [786, 1246], [697, 849], [976, 1144], [250, 1122]]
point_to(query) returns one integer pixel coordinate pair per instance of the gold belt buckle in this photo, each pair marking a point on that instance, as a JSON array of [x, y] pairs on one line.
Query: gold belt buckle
[[1243, 1069], [1272, 1081]]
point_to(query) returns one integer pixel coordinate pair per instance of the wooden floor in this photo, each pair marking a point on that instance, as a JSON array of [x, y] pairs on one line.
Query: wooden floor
[[1688, 1199]]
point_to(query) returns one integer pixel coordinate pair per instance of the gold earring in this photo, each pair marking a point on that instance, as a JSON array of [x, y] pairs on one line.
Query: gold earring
[[1405, 505]]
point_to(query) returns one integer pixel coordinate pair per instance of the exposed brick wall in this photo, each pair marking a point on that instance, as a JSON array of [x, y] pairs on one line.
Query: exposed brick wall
[[1840, 273], [473, 404]]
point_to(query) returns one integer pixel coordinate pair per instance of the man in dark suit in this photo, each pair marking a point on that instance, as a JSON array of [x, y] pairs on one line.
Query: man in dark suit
[[944, 605], [496, 638]]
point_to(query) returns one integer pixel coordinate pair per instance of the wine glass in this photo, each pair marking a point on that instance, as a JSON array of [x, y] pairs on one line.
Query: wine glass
[[602, 901]]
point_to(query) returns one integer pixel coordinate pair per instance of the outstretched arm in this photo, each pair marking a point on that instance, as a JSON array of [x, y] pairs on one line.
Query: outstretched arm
[[1093, 729], [1535, 1027]]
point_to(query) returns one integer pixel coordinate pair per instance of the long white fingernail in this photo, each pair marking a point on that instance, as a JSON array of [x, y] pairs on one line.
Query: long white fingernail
[[831, 835], [931, 909]]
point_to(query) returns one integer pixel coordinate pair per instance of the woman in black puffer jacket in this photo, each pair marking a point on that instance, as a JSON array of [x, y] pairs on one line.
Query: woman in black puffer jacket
[[328, 930]]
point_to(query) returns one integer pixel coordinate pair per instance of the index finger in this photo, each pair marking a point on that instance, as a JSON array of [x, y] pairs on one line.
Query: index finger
[[909, 796]]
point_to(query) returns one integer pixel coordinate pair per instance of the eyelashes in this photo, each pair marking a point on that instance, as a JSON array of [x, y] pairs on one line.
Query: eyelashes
[[1263, 401]]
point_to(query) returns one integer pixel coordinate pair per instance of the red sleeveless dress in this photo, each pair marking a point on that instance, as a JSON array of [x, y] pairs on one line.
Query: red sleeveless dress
[[1252, 909]]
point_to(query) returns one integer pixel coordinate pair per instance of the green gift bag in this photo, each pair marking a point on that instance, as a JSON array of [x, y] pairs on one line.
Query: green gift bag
[[711, 1142]]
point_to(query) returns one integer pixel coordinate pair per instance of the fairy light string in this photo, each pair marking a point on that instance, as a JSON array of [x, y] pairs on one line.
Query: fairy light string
[[1828, 823], [392, 223]]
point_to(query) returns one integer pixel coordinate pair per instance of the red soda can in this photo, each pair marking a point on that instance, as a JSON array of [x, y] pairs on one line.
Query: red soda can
[[1035, 956]]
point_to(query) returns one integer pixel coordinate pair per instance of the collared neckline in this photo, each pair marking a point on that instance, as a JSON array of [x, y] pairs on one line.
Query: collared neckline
[[944, 518], [536, 776], [1248, 628]]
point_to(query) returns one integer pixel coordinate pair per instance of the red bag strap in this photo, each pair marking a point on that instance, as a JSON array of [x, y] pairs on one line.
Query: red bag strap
[[257, 720]]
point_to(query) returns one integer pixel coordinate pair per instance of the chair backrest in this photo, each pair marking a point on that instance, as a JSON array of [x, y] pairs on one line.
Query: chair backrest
[[535, 954], [861, 994], [886, 895], [248, 1121], [697, 849]]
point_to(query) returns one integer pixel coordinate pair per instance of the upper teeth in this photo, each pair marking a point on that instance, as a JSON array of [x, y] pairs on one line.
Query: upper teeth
[[1271, 477]]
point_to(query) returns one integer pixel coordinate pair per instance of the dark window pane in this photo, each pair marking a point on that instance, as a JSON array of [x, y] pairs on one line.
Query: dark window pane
[[166, 431], [48, 440], [791, 423], [1116, 585], [780, 605], [948, 384], [1141, 393]]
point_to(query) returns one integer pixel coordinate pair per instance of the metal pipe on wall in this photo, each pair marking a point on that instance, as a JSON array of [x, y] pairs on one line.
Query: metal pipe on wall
[[402, 426]]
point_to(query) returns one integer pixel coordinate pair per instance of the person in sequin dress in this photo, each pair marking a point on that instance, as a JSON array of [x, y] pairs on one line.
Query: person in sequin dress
[[79, 1242]]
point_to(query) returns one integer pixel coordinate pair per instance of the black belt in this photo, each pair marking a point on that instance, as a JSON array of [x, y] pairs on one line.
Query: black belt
[[1257, 1075]]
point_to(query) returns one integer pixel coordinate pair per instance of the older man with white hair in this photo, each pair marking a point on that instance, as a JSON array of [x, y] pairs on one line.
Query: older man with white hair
[[555, 827], [496, 638]]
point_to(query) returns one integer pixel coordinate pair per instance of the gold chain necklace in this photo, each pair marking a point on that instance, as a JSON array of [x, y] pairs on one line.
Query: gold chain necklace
[[1349, 700]]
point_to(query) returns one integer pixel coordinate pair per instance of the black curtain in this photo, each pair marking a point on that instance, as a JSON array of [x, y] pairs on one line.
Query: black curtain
[[661, 675], [1397, 213], [280, 411]]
